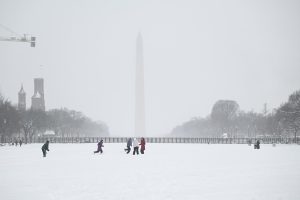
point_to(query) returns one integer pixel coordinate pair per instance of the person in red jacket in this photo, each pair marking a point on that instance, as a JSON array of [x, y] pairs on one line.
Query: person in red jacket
[[143, 144]]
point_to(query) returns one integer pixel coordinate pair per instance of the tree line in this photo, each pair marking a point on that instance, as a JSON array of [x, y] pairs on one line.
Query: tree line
[[58, 122], [226, 117]]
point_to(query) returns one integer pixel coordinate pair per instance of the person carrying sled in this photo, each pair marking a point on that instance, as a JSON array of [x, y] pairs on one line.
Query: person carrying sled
[[143, 144], [135, 146], [100, 145], [129, 144], [45, 148]]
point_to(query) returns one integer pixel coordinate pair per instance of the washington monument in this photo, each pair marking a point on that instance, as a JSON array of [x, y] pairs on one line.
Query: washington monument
[[140, 128]]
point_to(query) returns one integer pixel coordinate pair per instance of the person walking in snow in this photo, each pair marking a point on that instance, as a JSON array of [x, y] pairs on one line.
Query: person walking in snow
[[100, 145], [129, 144], [20, 142], [143, 144], [257, 145], [135, 146], [45, 148]]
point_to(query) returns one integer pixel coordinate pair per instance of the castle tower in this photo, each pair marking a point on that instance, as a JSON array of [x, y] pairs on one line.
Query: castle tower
[[37, 100], [140, 124], [22, 99]]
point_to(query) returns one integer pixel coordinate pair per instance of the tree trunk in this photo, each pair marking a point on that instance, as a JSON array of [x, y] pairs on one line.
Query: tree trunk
[[26, 136]]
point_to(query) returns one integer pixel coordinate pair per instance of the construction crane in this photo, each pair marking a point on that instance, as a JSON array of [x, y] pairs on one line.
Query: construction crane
[[18, 38]]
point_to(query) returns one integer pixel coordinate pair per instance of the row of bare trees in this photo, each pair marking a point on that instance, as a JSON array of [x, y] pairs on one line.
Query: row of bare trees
[[9, 118], [226, 117], [60, 122], [288, 114]]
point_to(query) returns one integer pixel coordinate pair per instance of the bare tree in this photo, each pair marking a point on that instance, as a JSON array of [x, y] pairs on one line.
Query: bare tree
[[9, 118], [223, 114], [289, 114]]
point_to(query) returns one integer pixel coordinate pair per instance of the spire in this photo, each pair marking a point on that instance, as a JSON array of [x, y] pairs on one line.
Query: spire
[[22, 99], [22, 91]]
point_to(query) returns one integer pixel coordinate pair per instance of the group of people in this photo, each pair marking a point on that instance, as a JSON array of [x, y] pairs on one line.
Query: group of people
[[16, 142], [135, 143], [256, 144]]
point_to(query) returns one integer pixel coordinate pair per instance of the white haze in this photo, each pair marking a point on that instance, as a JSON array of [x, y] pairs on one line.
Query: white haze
[[195, 53]]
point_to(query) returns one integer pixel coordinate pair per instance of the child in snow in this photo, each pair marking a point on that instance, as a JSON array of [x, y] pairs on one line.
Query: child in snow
[[100, 145], [129, 144], [45, 148], [135, 146], [143, 144]]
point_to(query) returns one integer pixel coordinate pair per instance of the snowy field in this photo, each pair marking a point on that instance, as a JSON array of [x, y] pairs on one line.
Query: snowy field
[[166, 171]]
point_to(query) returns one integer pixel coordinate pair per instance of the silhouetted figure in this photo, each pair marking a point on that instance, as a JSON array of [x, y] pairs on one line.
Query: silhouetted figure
[[257, 145], [45, 148], [20, 142], [135, 146], [249, 142], [129, 144], [143, 144], [100, 145], [16, 142]]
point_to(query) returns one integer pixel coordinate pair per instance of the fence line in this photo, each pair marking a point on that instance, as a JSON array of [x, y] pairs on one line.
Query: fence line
[[200, 140]]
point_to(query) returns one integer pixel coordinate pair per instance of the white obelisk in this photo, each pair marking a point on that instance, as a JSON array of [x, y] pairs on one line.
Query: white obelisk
[[140, 127]]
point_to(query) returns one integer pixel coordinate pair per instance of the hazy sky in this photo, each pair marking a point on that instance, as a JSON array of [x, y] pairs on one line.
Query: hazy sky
[[195, 53]]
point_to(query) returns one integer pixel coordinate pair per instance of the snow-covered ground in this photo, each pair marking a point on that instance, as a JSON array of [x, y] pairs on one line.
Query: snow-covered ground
[[166, 171]]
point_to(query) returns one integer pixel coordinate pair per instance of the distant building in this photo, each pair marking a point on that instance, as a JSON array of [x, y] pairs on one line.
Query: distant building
[[22, 99], [38, 100]]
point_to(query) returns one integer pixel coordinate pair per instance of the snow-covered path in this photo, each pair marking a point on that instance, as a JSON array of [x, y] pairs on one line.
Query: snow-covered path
[[166, 171]]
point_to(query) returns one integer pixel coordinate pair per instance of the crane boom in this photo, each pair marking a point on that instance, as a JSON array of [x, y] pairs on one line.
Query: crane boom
[[24, 38]]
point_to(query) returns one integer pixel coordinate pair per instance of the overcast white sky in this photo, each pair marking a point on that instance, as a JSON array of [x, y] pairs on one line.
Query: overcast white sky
[[195, 53]]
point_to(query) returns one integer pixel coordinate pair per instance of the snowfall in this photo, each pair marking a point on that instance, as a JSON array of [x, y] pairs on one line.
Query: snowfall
[[165, 171]]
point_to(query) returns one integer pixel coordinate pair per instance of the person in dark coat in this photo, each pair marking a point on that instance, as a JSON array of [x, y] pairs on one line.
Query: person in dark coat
[[45, 148], [100, 145], [257, 145], [129, 144], [20, 142], [143, 144]]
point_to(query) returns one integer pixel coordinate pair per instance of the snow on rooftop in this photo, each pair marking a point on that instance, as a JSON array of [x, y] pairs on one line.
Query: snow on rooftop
[[37, 95]]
